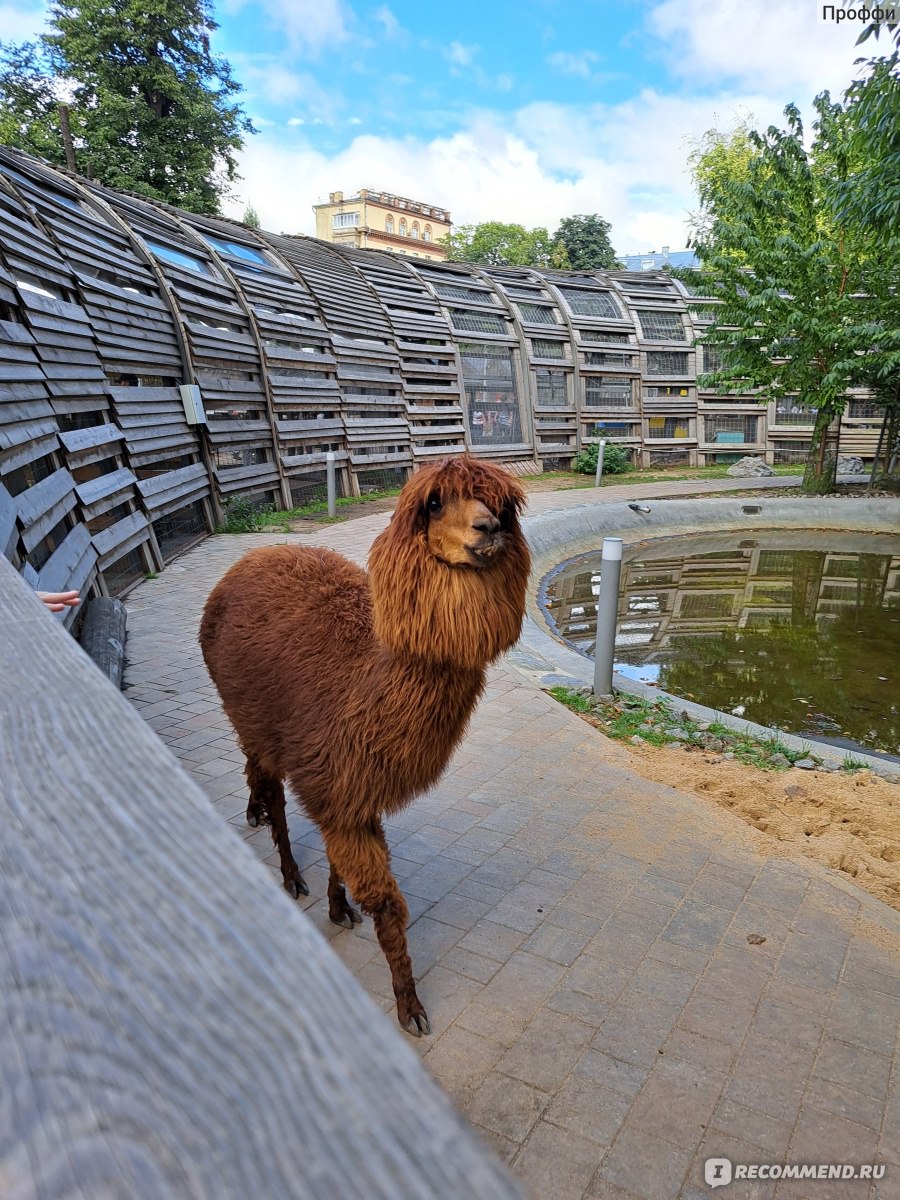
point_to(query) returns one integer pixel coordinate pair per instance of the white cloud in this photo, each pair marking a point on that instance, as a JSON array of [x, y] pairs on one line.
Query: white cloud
[[568, 63], [309, 25], [277, 83], [460, 55], [785, 47], [294, 121], [393, 30], [22, 23], [626, 161]]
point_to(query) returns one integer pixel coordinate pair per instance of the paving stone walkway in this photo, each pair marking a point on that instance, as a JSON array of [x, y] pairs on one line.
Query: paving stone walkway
[[581, 938]]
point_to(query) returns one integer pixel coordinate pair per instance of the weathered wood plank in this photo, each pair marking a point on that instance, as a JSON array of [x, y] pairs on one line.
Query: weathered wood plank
[[168, 1031]]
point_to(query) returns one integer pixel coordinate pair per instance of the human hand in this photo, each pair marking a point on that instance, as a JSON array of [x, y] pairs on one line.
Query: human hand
[[57, 601]]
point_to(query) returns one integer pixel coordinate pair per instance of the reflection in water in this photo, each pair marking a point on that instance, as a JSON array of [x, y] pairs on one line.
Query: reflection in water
[[806, 639]]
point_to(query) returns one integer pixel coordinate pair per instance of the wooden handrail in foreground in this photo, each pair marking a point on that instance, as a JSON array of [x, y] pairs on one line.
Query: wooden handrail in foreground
[[171, 1024]]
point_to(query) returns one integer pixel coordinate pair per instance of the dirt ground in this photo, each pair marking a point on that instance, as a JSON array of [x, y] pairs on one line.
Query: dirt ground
[[847, 821]]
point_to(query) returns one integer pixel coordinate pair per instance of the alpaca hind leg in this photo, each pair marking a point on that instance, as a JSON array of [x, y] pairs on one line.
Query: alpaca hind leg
[[359, 855], [340, 910], [267, 798]]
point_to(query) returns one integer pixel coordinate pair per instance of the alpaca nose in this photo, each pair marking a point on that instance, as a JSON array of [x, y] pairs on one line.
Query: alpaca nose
[[488, 524]]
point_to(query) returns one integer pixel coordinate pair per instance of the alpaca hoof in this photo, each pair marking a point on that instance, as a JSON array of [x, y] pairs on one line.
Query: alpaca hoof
[[418, 1026], [257, 817], [348, 918], [296, 888]]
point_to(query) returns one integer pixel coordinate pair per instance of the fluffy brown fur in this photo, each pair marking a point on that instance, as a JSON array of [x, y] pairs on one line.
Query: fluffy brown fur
[[355, 688]]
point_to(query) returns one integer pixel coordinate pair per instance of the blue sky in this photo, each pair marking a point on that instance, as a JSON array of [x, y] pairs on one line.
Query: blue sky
[[526, 111]]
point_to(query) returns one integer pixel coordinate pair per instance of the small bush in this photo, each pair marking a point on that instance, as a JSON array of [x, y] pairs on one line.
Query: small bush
[[245, 514], [616, 460]]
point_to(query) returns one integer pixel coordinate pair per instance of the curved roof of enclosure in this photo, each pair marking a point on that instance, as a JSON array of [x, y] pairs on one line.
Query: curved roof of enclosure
[[109, 303]]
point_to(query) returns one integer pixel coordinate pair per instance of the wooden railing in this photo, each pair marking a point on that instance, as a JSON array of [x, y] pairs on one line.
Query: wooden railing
[[171, 1025]]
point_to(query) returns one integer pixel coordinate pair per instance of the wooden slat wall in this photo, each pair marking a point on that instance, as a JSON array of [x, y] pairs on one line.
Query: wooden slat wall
[[108, 302]]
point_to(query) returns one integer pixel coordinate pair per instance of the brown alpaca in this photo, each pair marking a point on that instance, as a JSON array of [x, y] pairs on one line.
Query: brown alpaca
[[356, 688]]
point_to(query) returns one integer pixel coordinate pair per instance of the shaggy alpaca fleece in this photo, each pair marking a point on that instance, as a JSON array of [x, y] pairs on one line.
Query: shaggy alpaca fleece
[[356, 687]]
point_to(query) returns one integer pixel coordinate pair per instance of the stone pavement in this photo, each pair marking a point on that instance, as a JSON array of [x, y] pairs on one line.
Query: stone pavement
[[580, 935]]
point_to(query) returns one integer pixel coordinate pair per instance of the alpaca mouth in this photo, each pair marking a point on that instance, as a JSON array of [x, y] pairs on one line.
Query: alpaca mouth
[[486, 552]]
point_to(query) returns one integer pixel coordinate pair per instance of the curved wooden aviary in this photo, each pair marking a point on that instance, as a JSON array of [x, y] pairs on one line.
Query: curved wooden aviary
[[167, 1031], [110, 304]]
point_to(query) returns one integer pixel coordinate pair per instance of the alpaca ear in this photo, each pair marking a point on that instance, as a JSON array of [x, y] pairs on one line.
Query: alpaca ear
[[409, 516]]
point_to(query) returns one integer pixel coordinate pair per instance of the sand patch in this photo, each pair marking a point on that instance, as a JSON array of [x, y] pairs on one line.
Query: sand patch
[[849, 822]]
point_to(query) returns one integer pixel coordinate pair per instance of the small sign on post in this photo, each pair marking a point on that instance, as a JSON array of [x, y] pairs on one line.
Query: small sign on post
[[607, 612], [601, 450], [329, 474]]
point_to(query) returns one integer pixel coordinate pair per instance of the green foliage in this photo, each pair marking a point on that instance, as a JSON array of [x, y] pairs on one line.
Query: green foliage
[[495, 244], [152, 110], [587, 244], [245, 514], [806, 296], [616, 460], [627, 717], [251, 217]]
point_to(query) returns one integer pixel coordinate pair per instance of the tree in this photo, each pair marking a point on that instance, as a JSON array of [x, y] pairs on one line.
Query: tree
[[251, 217], [805, 295], [152, 109], [586, 239], [495, 244]]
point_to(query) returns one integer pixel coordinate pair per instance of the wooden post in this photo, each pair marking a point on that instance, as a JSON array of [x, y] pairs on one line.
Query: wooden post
[[68, 144], [171, 1024]]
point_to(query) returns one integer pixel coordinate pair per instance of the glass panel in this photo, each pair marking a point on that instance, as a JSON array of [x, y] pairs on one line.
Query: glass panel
[[477, 322], [238, 250], [663, 325], [180, 257], [666, 362], [600, 391], [589, 303], [537, 314], [552, 390], [491, 397]]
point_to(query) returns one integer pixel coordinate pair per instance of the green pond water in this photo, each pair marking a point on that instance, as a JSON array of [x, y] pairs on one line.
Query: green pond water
[[796, 630]]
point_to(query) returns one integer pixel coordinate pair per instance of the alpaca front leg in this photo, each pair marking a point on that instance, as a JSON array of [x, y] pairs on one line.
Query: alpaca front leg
[[340, 910], [267, 803], [361, 858]]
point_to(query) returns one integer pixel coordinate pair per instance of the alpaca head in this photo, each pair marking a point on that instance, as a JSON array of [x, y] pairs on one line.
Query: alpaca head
[[449, 573]]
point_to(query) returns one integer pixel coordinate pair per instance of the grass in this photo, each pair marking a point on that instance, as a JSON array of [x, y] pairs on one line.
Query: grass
[[852, 763], [571, 479], [319, 509], [656, 723]]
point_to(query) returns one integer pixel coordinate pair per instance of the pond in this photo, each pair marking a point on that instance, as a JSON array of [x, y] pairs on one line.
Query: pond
[[793, 629]]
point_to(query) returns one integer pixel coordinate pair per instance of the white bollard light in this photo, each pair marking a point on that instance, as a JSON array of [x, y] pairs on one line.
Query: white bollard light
[[329, 474], [601, 448], [607, 613]]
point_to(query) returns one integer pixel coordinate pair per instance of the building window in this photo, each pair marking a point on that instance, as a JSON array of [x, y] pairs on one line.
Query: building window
[[589, 303], [668, 427], [231, 458], [345, 220], [237, 250], [545, 348], [604, 391], [388, 224], [789, 412], [663, 326], [666, 362], [477, 322], [612, 429], [403, 226], [712, 359], [606, 358], [491, 399], [552, 389], [179, 257], [730, 429], [426, 234], [414, 232], [453, 291], [536, 314]]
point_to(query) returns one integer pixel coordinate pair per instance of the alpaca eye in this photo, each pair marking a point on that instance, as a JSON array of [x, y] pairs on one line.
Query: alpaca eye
[[434, 504]]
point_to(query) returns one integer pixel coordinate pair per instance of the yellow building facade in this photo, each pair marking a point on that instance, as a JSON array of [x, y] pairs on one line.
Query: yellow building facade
[[381, 221]]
